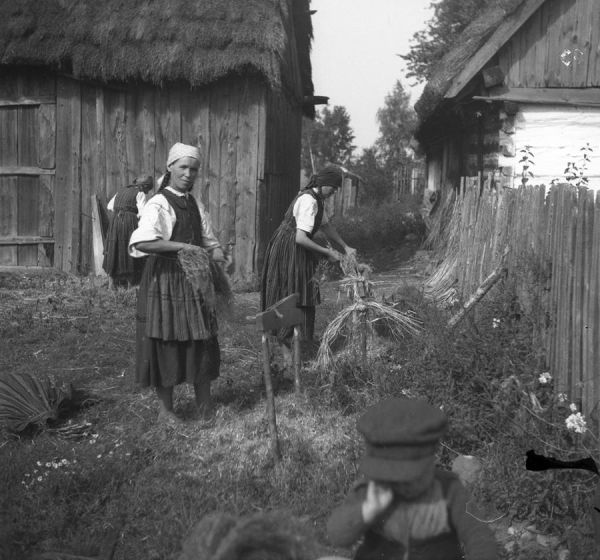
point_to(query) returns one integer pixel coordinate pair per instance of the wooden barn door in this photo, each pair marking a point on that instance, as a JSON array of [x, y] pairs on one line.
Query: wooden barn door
[[27, 168]]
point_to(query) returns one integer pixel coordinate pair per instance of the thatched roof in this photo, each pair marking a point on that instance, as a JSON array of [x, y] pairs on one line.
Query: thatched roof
[[467, 45], [158, 41]]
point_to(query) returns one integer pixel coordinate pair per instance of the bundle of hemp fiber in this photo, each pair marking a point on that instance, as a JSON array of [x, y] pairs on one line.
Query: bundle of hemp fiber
[[207, 276]]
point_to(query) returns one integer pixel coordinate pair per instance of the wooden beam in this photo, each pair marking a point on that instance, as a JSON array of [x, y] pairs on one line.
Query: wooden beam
[[31, 240], [560, 96], [24, 170], [483, 55], [36, 100]]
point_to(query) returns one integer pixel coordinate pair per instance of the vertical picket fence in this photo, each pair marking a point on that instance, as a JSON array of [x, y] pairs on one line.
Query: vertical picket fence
[[553, 264]]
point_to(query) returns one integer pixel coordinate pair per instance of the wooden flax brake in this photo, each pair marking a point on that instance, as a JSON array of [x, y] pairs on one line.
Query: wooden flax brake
[[284, 313]]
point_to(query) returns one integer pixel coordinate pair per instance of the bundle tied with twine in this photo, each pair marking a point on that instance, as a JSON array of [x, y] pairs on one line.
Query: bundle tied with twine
[[206, 276], [353, 326]]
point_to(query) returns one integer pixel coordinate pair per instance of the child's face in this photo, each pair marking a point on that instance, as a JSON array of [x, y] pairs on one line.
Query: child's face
[[409, 490]]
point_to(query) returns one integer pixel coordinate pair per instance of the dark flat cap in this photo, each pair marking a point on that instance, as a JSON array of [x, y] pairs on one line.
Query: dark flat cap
[[401, 437]]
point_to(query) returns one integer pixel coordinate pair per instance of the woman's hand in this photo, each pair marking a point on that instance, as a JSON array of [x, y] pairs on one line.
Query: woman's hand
[[333, 255], [377, 500]]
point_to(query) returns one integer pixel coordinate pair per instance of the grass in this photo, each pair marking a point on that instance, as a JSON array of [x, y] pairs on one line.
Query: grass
[[152, 484]]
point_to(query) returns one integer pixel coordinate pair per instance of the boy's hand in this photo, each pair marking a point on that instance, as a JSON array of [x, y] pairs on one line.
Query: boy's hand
[[377, 501]]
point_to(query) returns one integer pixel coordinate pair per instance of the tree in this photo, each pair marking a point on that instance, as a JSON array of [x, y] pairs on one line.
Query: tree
[[397, 123], [377, 181], [380, 164], [329, 138], [430, 45]]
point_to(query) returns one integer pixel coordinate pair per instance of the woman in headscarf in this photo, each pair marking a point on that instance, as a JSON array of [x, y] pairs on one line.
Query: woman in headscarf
[[176, 327], [126, 207], [292, 256]]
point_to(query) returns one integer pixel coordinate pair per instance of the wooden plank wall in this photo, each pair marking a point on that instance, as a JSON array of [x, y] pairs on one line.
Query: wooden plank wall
[[553, 270], [96, 139], [27, 147], [8, 156], [532, 57], [282, 166]]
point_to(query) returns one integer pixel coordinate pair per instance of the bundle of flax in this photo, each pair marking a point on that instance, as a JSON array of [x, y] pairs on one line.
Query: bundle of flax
[[353, 326], [195, 263]]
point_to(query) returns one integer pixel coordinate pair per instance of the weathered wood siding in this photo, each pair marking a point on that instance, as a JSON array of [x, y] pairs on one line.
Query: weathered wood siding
[[90, 140], [281, 177], [556, 47], [27, 168]]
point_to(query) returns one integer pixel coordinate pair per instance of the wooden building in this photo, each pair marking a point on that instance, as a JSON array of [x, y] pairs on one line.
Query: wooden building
[[524, 76], [93, 94]]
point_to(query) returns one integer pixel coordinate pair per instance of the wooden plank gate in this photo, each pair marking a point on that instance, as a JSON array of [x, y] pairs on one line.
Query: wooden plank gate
[[27, 171]]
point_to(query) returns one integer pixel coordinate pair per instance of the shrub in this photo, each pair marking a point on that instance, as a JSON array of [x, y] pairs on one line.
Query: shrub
[[386, 225]]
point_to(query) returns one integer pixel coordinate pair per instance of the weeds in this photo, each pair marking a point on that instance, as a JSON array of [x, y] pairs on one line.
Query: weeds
[[124, 472]]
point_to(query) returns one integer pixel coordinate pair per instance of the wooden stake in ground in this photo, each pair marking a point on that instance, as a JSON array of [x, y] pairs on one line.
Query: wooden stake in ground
[[284, 313], [483, 289], [271, 417]]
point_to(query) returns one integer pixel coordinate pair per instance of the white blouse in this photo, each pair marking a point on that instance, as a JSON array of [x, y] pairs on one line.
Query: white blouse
[[158, 219], [305, 211], [140, 202]]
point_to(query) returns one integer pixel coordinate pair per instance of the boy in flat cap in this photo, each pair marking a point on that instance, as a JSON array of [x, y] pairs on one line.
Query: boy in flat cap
[[406, 508]]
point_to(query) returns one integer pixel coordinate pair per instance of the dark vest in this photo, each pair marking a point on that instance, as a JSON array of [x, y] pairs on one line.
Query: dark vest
[[125, 201], [289, 215], [188, 225]]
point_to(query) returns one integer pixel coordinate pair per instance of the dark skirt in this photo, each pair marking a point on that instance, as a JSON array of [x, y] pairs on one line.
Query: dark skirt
[[289, 268], [176, 334], [117, 262]]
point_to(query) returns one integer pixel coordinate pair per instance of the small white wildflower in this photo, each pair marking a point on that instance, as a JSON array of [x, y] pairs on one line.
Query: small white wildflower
[[495, 323], [545, 378], [64, 462], [562, 397], [576, 423], [99, 456], [573, 407], [39, 479], [48, 465], [38, 463]]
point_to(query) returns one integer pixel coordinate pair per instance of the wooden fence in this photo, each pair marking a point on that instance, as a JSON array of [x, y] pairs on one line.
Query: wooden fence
[[409, 179], [553, 264]]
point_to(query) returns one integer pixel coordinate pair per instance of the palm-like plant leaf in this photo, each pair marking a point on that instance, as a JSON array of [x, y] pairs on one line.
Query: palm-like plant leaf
[[27, 399]]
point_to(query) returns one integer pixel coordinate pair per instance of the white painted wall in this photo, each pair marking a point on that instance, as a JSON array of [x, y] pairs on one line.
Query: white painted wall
[[556, 135]]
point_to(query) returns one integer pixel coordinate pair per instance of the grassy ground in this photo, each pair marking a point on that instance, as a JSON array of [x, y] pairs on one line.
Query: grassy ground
[[150, 484]]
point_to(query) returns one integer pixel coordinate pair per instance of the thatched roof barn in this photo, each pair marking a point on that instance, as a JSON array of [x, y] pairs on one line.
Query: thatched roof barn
[[94, 93], [524, 75]]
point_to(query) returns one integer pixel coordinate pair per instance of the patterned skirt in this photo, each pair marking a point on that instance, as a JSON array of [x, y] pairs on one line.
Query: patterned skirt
[[117, 262], [176, 333], [289, 268]]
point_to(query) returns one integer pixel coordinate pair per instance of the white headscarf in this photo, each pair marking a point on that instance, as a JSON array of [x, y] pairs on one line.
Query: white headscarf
[[180, 150]]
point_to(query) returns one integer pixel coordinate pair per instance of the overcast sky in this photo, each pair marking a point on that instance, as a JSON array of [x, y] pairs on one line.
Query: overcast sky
[[354, 55]]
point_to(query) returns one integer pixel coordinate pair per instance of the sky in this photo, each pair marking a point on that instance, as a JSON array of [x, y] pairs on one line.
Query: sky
[[354, 55]]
